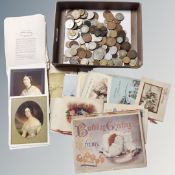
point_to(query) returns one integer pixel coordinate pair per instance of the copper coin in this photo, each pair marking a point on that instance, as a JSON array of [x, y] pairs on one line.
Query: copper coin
[[111, 41], [106, 12], [111, 25], [109, 17], [88, 53], [102, 42], [126, 46], [118, 46], [92, 29], [121, 33], [119, 27], [87, 37], [81, 53], [132, 54]]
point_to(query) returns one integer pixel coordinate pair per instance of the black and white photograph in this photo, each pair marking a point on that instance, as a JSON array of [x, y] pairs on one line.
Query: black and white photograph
[[27, 82]]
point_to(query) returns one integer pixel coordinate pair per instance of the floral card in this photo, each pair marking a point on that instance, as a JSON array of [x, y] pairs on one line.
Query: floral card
[[123, 90], [64, 109], [108, 142], [153, 95]]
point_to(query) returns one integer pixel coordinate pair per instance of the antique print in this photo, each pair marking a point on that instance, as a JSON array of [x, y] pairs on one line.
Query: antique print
[[123, 90], [110, 107], [97, 86], [56, 81], [70, 84], [153, 96], [27, 82], [108, 142], [65, 109], [29, 121]]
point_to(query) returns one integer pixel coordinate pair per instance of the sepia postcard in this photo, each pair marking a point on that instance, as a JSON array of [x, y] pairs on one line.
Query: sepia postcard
[[123, 90], [29, 122], [153, 95], [109, 107], [108, 142], [64, 109], [56, 83], [97, 86]]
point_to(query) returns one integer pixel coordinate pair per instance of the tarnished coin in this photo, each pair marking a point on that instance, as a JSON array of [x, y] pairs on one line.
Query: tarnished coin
[[110, 63], [69, 23], [113, 50], [92, 29], [96, 62], [74, 60], [98, 32], [87, 37], [111, 41], [84, 29], [103, 62], [81, 53], [118, 27], [126, 60], [122, 53], [109, 17], [126, 46], [121, 33], [75, 14], [88, 54], [112, 33], [111, 25], [119, 16], [108, 56], [87, 23], [133, 62], [103, 41], [118, 46], [120, 39], [98, 54], [117, 62], [92, 45], [90, 15], [132, 54], [84, 61]]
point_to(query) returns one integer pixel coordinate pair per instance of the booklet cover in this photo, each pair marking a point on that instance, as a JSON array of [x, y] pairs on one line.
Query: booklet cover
[[108, 142]]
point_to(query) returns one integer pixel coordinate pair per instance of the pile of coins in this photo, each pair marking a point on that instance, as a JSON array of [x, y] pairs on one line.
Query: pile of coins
[[95, 43]]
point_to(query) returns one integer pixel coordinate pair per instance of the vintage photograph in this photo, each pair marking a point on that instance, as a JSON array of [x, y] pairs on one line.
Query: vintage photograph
[[153, 95], [109, 141], [123, 90], [97, 86], [29, 120], [27, 82], [150, 97], [64, 110]]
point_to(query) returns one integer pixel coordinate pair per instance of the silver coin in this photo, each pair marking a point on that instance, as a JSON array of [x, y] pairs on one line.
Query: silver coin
[[80, 40], [74, 60], [74, 37], [104, 47], [85, 15], [90, 15], [84, 61], [119, 39], [74, 46], [82, 11], [92, 45], [67, 53], [84, 46], [66, 59], [79, 22], [73, 51], [69, 23], [75, 14], [98, 39], [108, 56], [117, 61], [84, 29], [98, 54], [113, 50], [94, 22], [119, 16], [71, 32], [122, 53]]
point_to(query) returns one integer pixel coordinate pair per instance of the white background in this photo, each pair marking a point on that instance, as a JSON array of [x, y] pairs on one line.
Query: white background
[[159, 63]]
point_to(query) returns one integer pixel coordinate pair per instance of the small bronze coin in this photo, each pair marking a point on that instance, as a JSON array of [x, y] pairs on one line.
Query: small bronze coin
[[103, 28], [111, 25], [118, 27], [113, 33], [92, 29], [87, 37], [88, 23], [132, 54], [109, 17], [118, 46], [103, 62], [111, 41], [102, 42], [88, 53], [126, 46], [126, 60], [121, 33], [81, 53], [106, 12], [110, 63]]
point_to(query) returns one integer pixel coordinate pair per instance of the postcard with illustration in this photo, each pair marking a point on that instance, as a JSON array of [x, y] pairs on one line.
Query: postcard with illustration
[[28, 122], [64, 109], [108, 142], [153, 95], [97, 86], [110, 107], [56, 82], [123, 90]]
